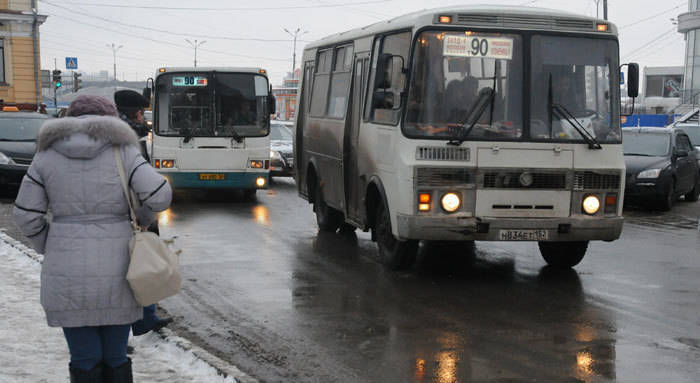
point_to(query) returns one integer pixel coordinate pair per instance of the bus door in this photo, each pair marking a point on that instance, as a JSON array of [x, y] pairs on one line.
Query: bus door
[[353, 186], [302, 110]]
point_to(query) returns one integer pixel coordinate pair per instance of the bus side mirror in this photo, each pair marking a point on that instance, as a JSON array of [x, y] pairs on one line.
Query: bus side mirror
[[383, 100], [272, 104], [632, 80], [384, 71], [147, 93]]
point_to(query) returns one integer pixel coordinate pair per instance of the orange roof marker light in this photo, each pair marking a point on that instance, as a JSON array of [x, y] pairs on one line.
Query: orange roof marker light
[[10, 109], [161, 70], [263, 71], [602, 27], [445, 19]]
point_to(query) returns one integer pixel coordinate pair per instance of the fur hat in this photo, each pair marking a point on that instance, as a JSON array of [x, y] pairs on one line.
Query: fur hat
[[93, 105], [128, 98]]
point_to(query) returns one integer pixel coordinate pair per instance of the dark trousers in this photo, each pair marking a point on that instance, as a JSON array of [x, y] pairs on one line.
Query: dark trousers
[[149, 319], [90, 345]]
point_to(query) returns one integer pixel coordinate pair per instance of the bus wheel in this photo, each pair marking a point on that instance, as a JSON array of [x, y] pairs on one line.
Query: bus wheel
[[327, 218], [563, 255], [395, 254], [249, 194]]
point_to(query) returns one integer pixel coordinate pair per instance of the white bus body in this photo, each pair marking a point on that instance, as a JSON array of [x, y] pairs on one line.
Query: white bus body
[[211, 127], [465, 123]]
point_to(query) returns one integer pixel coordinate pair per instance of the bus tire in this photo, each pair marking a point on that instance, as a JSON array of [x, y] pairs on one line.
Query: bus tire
[[249, 194], [563, 255], [327, 218], [395, 254]]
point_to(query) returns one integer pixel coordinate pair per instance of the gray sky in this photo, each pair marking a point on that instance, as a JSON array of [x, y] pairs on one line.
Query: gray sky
[[156, 37]]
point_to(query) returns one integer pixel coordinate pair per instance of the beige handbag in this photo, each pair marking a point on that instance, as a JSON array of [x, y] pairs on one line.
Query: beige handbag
[[154, 272]]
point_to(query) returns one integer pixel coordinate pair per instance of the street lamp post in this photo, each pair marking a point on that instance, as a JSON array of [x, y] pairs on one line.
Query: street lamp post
[[195, 45], [294, 53], [114, 53]]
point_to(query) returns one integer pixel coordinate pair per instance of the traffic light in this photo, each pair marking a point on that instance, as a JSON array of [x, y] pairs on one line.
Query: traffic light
[[76, 81], [57, 78]]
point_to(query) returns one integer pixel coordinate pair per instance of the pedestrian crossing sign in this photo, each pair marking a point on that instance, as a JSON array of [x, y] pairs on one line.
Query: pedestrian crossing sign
[[71, 63]]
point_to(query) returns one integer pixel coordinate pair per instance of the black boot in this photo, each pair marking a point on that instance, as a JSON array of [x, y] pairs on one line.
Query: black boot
[[120, 374], [94, 375]]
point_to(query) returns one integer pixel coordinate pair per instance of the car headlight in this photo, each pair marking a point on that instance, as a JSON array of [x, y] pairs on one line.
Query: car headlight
[[450, 202], [5, 160], [649, 173], [591, 204], [275, 155]]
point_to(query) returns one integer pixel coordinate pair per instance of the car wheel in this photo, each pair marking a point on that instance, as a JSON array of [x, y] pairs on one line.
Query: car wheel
[[327, 218], [395, 254], [669, 198], [563, 255], [693, 195]]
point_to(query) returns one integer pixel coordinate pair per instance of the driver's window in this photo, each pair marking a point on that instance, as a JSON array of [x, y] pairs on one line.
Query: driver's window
[[394, 49]]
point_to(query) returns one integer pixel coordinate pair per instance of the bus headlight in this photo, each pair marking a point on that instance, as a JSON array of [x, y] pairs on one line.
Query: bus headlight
[[591, 204], [450, 202], [260, 181]]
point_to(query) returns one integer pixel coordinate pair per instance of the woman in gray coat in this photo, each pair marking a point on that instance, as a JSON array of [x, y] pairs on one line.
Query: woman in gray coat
[[71, 205]]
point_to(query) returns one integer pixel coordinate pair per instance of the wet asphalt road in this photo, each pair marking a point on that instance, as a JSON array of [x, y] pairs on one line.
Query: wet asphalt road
[[267, 292]]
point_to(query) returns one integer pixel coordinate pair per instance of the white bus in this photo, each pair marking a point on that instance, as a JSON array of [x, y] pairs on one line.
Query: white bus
[[466, 123], [211, 127]]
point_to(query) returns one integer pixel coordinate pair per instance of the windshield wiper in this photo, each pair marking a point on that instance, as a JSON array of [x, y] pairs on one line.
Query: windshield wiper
[[565, 114], [638, 154], [486, 97], [18, 140]]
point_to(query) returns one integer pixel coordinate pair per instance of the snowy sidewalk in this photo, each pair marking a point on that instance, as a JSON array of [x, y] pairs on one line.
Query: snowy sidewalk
[[30, 351]]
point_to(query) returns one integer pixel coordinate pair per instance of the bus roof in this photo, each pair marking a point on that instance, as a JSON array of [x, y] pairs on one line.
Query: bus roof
[[501, 16], [211, 69]]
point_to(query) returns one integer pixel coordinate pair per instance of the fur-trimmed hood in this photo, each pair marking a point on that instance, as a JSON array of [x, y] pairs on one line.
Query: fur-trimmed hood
[[84, 136]]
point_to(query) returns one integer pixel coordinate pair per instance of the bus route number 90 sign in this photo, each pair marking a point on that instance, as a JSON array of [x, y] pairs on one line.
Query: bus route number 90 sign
[[189, 81], [478, 47]]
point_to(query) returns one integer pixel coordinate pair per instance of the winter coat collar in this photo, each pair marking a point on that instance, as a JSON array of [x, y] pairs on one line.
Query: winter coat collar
[[107, 129]]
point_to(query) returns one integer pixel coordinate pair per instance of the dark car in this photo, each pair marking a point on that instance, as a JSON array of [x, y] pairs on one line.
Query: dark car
[[18, 132], [281, 150], [661, 166]]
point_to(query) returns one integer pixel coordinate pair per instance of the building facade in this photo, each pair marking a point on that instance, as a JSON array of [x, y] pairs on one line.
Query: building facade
[[20, 64], [689, 24], [286, 96]]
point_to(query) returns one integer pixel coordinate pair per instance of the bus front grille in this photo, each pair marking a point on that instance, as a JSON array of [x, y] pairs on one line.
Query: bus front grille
[[444, 177], [589, 180], [524, 180], [441, 153]]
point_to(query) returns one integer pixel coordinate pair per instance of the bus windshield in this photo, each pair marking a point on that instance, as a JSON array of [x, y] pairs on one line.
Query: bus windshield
[[212, 104], [466, 84], [469, 85], [571, 86]]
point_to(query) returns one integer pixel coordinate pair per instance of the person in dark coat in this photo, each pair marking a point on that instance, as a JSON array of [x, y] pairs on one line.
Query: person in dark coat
[[131, 105], [72, 207]]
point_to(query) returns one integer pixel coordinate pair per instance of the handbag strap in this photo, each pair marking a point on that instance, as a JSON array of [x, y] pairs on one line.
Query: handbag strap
[[125, 187]]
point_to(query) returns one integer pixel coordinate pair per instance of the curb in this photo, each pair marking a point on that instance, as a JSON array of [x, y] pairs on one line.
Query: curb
[[222, 367]]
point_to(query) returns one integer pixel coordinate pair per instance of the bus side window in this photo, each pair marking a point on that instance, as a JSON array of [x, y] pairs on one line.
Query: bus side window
[[319, 94], [308, 80], [390, 56], [340, 82]]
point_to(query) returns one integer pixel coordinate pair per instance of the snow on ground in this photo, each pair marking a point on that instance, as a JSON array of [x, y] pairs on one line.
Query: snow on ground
[[30, 351]]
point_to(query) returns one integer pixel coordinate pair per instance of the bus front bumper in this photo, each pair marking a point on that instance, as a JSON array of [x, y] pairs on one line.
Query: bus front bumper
[[216, 180], [509, 229]]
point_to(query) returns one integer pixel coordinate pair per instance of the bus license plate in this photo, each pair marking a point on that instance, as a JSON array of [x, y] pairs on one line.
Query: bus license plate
[[212, 177], [524, 235]]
